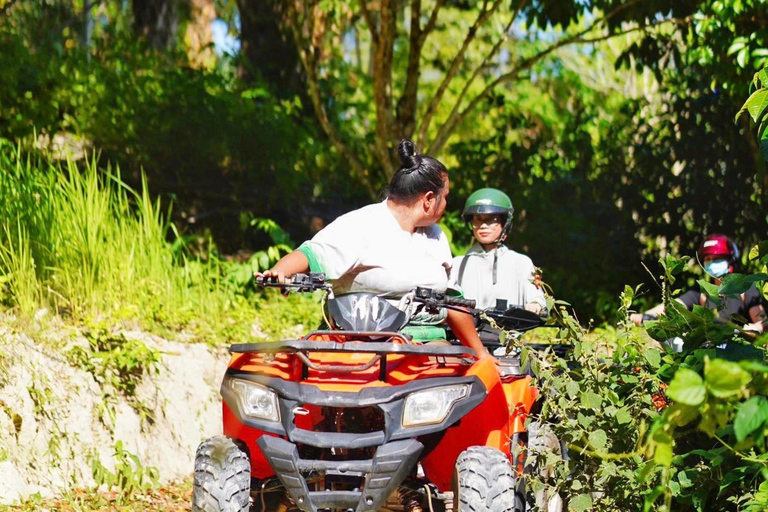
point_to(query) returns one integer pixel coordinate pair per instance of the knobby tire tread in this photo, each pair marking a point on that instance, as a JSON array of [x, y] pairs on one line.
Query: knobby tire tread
[[486, 482], [222, 477]]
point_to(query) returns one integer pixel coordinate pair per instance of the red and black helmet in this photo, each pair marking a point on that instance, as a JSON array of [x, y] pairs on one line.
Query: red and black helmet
[[719, 245]]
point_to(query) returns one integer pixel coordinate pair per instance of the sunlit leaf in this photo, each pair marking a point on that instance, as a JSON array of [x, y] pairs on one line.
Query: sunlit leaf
[[687, 387], [750, 416]]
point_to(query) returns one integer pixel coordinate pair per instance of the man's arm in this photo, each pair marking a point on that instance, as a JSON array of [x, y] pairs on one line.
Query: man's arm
[[293, 263], [464, 328]]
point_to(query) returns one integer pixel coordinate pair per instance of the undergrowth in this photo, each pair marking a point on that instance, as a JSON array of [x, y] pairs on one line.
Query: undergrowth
[[76, 240]]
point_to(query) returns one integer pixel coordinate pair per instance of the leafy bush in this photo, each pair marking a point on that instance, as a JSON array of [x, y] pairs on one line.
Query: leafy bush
[[85, 244], [116, 361], [130, 477], [648, 428], [598, 400]]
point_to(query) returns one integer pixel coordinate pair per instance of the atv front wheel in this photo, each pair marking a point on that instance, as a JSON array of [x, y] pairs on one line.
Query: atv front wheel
[[484, 481], [222, 477]]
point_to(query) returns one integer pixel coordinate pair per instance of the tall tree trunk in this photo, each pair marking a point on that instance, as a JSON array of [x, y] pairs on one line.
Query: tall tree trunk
[[199, 35], [157, 20], [266, 47]]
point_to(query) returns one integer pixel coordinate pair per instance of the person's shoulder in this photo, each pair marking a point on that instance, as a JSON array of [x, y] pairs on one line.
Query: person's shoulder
[[367, 213], [518, 257], [753, 293], [434, 232]]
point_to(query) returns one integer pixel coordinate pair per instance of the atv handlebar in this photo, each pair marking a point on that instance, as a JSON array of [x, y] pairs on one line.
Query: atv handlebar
[[435, 299], [297, 283]]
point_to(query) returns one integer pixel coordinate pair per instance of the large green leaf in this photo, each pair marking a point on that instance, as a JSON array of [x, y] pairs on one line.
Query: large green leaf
[[598, 439], [759, 251], [724, 378], [580, 503], [711, 291], [653, 357], [687, 387], [591, 400], [755, 104], [750, 417], [736, 284]]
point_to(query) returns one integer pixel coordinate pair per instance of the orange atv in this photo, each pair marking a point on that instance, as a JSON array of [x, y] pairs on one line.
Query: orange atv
[[361, 418]]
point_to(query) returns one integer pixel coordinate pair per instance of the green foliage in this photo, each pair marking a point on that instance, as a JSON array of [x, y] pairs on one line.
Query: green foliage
[[757, 106], [213, 145], [717, 390], [598, 400], [114, 360], [130, 476], [174, 496], [648, 428], [759, 255], [240, 275], [83, 243]]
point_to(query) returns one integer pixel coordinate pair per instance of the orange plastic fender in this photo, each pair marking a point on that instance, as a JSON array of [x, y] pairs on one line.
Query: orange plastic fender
[[520, 395]]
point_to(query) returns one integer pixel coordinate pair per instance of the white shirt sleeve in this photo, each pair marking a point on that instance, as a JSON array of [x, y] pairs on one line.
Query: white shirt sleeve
[[337, 247]]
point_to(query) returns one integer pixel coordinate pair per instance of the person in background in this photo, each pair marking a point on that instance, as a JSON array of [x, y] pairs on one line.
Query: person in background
[[718, 254], [391, 247], [490, 270]]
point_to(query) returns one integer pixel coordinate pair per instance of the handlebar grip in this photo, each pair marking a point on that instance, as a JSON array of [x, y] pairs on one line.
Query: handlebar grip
[[458, 301], [267, 281]]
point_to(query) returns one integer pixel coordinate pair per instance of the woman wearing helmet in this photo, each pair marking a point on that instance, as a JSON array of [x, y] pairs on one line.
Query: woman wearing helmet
[[389, 248], [490, 271], [718, 254]]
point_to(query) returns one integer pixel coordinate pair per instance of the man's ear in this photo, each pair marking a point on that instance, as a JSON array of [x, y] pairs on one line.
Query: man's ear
[[429, 198]]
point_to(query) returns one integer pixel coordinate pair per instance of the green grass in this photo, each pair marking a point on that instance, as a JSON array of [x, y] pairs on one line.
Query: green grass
[[78, 241]]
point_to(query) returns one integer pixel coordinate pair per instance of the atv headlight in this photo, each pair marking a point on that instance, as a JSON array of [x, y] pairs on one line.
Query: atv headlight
[[431, 405], [256, 401]]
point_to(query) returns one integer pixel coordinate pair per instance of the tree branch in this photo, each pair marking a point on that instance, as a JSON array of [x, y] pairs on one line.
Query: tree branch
[[454, 68], [369, 22], [382, 84], [455, 118], [405, 120], [430, 26], [7, 7], [483, 65], [605, 37], [309, 63]]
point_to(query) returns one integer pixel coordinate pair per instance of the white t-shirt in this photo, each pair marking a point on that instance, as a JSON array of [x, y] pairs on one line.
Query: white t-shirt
[[514, 275], [366, 250]]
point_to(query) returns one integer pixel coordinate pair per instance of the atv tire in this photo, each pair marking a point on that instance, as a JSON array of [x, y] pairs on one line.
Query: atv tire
[[484, 481], [222, 477]]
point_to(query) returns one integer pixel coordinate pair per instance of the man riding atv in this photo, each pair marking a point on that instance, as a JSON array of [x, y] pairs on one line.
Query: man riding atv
[[391, 247], [360, 417], [718, 255]]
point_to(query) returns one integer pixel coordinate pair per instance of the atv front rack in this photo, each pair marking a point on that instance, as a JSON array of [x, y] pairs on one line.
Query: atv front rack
[[373, 347], [301, 348]]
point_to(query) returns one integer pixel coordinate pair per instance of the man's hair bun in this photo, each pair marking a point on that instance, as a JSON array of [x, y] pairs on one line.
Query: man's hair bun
[[410, 159], [407, 184]]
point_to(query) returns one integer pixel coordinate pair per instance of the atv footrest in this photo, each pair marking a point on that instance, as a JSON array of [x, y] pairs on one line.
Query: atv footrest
[[383, 474]]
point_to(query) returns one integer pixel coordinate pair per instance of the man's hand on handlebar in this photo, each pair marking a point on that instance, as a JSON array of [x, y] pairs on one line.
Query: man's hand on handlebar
[[271, 276], [534, 307], [640, 318]]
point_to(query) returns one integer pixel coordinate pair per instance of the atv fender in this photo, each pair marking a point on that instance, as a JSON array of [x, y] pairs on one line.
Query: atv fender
[[488, 424], [521, 394]]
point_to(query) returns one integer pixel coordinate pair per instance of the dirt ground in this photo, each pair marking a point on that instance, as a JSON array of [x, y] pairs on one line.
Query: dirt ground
[[171, 498]]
